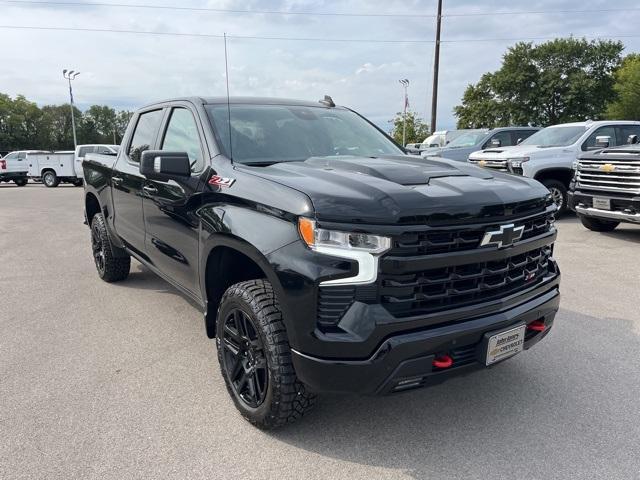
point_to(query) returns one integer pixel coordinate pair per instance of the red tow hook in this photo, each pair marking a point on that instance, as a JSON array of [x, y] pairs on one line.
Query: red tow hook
[[537, 326], [442, 361]]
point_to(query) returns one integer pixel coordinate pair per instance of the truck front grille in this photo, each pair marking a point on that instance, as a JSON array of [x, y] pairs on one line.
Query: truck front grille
[[609, 175], [456, 239], [438, 289], [500, 165]]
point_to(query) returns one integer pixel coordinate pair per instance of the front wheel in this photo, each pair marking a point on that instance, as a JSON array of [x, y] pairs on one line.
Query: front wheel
[[597, 224], [558, 193], [255, 357], [78, 183], [50, 179]]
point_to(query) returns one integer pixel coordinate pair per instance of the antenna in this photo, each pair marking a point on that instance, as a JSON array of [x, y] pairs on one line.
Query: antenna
[[226, 74]]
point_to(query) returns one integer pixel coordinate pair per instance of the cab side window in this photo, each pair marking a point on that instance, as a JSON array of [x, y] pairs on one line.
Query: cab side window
[[503, 137], [590, 143], [144, 134], [182, 136], [84, 150], [521, 135], [625, 130]]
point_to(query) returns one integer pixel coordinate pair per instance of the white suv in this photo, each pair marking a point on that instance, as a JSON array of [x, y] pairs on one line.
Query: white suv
[[549, 154]]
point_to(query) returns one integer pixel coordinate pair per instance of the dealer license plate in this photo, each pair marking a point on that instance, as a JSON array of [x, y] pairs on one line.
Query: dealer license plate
[[505, 344], [602, 203]]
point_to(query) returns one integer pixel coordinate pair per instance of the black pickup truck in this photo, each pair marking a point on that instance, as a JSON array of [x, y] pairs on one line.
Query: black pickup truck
[[324, 258]]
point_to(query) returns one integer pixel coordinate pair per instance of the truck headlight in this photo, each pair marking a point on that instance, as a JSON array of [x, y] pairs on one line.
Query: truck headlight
[[364, 248], [517, 162]]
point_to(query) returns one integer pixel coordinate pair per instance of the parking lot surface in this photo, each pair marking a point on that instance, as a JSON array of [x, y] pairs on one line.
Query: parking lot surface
[[120, 381]]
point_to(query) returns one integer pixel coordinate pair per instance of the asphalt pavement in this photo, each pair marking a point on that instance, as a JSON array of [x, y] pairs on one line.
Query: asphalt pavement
[[119, 381]]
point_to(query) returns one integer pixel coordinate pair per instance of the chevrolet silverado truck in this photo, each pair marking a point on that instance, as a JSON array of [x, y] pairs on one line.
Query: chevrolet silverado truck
[[323, 257], [605, 189]]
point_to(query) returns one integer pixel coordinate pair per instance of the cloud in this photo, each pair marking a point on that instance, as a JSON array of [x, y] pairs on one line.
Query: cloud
[[128, 70]]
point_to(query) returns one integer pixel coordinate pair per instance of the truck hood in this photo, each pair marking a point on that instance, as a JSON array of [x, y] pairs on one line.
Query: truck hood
[[403, 189], [531, 151]]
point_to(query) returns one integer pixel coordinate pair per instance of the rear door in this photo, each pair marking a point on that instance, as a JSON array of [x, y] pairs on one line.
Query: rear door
[[127, 182], [623, 132], [172, 227]]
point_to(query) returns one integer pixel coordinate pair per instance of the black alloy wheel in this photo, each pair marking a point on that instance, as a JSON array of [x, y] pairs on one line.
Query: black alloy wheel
[[244, 358]]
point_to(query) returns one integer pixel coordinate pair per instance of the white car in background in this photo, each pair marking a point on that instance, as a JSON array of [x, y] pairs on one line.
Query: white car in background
[[549, 155], [14, 167]]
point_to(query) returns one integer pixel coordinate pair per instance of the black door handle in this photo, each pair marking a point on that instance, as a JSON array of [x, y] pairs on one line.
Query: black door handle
[[150, 189]]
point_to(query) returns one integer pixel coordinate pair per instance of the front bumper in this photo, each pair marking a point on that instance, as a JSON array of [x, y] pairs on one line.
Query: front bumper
[[10, 176], [405, 360], [623, 209]]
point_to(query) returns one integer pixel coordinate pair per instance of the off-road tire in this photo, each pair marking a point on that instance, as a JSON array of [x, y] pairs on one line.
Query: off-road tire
[[597, 224], [21, 182], [50, 179], [286, 399], [559, 191], [115, 261]]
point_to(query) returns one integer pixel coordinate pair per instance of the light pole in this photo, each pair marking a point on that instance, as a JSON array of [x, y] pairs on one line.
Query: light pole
[[405, 83], [71, 75], [436, 69]]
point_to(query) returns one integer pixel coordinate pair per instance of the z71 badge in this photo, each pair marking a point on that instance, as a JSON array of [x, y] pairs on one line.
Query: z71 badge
[[221, 181]]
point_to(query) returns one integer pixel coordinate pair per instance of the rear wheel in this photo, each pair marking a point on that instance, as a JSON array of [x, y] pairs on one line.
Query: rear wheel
[[21, 182], [50, 179], [255, 357], [597, 224], [77, 183], [558, 192], [112, 263]]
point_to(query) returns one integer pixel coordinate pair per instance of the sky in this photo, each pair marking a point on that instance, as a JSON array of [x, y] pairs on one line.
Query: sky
[[301, 59]]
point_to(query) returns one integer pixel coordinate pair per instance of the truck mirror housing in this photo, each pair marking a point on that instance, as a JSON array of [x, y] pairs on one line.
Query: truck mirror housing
[[161, 165], [632, 139], [496, 143], [603, 141]]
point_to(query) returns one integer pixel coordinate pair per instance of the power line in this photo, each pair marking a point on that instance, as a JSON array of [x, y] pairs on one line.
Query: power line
[[301, 39], [212, 10], [309, 13]]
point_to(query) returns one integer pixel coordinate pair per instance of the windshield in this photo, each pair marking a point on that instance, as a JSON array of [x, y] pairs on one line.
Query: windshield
[[468, 139], [284, 133], [555, 137]]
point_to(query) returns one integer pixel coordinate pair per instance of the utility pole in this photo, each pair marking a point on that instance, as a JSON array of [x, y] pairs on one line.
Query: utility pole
[[436, 66], [71, 75], [405, 83]]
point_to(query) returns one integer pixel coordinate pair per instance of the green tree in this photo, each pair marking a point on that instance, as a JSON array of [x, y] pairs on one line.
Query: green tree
[[417, 129], [562, 80], [627, 88]]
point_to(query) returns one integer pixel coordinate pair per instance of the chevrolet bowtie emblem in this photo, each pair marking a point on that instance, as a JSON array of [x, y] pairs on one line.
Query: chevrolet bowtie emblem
[[607, 167], [482, 163], [506, 236]]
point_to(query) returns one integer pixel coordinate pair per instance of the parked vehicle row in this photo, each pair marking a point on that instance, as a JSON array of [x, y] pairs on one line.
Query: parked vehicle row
[[549, 155], [50, 168]]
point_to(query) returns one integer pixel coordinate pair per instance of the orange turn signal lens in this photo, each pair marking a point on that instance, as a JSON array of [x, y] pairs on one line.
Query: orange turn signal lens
[[307, 229]]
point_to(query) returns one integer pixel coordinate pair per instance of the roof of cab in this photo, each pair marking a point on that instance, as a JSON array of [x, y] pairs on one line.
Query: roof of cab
[[242, 100]]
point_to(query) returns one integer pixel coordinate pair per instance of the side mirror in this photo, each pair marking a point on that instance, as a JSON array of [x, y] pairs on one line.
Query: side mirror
[[161, 165], [632, 140], [496, 143], [603, 141], [518, 141]]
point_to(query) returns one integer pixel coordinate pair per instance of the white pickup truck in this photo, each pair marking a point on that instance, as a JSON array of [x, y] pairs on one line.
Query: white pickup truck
[[52, 168], [549, 155]]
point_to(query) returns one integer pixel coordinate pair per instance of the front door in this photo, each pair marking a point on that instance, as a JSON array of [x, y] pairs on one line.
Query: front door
[[172, 224], [127, 182]]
